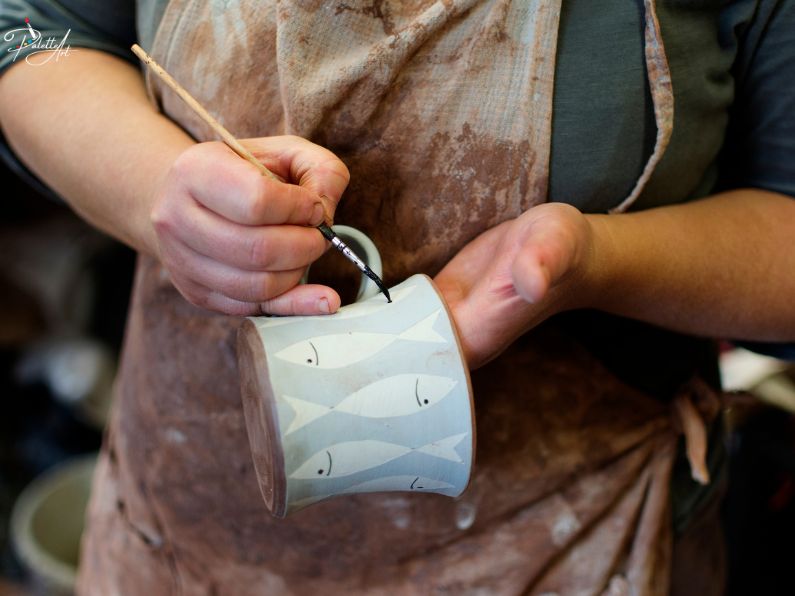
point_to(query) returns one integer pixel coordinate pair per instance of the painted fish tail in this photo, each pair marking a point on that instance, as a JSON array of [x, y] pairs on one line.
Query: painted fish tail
[[305, 412], [423, 331], [444, 448]]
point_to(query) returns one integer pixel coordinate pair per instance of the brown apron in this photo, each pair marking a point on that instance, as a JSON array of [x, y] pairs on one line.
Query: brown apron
[[442, 112]]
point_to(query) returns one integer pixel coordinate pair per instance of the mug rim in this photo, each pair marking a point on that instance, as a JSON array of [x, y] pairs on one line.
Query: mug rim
[[467, 375]]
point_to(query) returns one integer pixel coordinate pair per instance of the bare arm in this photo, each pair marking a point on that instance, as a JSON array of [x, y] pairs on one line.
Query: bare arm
[[232, 240], [723, 266], [85, 126]]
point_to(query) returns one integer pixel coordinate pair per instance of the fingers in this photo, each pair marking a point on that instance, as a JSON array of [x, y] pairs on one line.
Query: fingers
[[549, 253], [275, 248], [301, 162], [302, 300], [238, 242], [310, 299], [236, 190], [544, 258], [531, 278], [239, 284], [208, 299]]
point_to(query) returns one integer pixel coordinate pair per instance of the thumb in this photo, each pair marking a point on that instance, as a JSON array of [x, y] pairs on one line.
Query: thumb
[[327, 179], [530, 278], [542, 261]]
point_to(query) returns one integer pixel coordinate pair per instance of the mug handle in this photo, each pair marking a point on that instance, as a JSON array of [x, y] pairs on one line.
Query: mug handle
[[364, 249]]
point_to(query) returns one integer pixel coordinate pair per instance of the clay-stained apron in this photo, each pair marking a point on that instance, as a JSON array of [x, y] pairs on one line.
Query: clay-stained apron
[[442, 112]]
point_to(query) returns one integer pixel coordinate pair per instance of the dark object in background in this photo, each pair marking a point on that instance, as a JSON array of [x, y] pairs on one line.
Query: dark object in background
[[759, 510], [20, 318], [36, 432]]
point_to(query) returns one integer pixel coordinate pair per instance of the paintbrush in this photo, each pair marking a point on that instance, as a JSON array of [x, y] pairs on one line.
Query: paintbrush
[[235, 146]]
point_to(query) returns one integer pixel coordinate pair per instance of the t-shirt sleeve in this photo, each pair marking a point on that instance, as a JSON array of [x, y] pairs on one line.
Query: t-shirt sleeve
[[106, 25], [760, 143]]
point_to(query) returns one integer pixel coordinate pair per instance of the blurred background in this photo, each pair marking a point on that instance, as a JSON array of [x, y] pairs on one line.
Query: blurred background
[[64, 292], [63, 298]]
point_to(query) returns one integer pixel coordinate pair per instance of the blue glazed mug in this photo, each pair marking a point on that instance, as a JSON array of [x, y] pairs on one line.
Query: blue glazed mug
[[374, 398]]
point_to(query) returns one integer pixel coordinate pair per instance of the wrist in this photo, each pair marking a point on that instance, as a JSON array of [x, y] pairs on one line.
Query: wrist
[[156, 172], [113, 150], [600, 271]]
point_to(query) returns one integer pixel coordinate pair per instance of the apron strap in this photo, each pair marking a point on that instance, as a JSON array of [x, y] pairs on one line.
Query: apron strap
[[659, 75]]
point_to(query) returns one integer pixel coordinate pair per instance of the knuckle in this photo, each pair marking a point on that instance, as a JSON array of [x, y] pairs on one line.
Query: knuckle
[[261, 250], [343, 171], [161, 219], [193, 292], [291, 280], [256, 201], [299, 204], [334, 169], [335, 165], [157, 217], [281, 305], [237, 309], [200, 298], [185, 163], [254, 209], [174, 260], [315, 250], [258, 289], [266, 307], [263, 288], [245, 287]]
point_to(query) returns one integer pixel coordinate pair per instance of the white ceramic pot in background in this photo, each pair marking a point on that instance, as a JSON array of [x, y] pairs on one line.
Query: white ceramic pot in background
[[47, 523]]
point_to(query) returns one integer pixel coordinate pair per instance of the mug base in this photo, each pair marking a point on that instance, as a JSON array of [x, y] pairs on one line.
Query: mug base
[[262, 423]]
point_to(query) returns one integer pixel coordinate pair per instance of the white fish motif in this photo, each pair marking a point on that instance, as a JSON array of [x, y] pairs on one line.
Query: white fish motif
[[344, 459], [350, 311], [399, 395], [342, 349]]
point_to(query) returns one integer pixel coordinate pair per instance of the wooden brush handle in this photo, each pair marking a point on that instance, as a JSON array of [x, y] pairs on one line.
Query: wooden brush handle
[[225, 135]]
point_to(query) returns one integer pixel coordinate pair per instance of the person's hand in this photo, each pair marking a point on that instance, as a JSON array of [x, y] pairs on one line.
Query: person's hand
[[237, 242], [515, 275]]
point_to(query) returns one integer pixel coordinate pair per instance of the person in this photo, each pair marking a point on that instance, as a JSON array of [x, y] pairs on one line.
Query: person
[[596, 189]]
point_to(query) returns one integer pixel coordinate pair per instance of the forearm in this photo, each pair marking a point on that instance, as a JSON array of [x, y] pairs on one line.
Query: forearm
[[84, 125], [722, 266]]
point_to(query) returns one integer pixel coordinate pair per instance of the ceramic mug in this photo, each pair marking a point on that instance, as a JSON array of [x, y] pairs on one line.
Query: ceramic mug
[[374, 398]]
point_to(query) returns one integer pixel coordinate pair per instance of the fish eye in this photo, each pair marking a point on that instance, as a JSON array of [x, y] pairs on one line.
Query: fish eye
[[320, 472], [425, 401], [316, 360]]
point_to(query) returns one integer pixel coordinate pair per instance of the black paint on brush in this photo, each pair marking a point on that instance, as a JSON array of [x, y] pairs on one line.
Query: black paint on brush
[[345, 249]]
